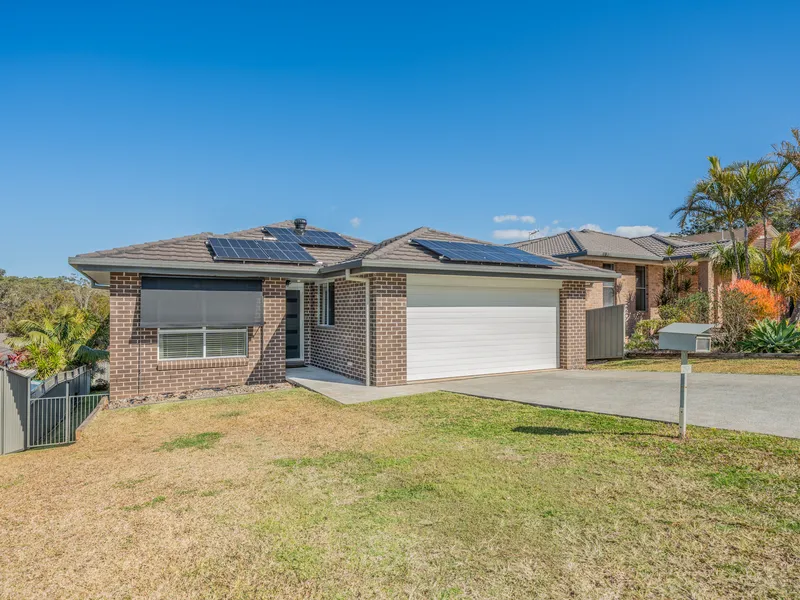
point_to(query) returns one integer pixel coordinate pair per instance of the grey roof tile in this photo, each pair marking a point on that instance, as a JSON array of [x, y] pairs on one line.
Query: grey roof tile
[[192, 248], [554, 245], [596, 243]]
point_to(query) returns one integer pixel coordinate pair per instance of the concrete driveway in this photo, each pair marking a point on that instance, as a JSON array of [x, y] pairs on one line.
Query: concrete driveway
[[757, 403]]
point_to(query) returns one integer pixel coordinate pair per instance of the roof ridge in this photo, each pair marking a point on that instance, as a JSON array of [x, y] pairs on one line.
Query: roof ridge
[[571, 234], [285, 224], [471, 239], [382, 246]]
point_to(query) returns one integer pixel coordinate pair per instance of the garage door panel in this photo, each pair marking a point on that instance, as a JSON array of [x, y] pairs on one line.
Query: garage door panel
[[486, 327]]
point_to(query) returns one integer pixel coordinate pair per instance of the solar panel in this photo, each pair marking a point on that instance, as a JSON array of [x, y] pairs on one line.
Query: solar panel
[[482, 253], [259, 250], [311, 237]]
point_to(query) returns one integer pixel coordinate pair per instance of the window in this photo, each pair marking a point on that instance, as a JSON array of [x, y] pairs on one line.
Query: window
[[326, 305], [202, 342], [641, 288], [609, 288]]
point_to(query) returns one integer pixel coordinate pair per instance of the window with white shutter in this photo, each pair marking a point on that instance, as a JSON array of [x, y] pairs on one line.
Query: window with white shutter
[[204, 342]]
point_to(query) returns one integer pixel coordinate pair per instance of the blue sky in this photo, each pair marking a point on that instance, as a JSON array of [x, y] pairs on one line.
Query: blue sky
[[124, 125]]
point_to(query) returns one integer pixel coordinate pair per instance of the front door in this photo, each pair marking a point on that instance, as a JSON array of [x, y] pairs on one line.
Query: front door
[[294, 325]]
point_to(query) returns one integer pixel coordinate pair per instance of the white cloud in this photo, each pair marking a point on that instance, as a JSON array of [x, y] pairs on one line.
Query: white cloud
[[590, 227], [523, 218], [511, 234], [355, 222], [635, 230], [547, 230], [555, 222]]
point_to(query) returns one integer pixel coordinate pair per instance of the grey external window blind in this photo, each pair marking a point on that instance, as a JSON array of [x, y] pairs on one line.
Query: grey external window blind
[[196, 302]]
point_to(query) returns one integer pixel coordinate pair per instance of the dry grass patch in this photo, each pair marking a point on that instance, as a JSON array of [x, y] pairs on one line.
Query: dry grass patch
[[432, 496], [751, 366]]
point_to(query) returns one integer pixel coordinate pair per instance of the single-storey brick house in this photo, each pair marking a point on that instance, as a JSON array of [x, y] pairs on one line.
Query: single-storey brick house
[[207, 311], [640, 261]]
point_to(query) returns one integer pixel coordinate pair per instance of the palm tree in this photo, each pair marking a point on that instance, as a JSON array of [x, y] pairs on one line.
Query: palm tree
[[727, 259], [58, 341], [713, 196], [789, 152], [779, 269]]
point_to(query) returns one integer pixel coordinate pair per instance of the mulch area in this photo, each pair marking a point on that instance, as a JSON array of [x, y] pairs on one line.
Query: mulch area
[[234, 390]]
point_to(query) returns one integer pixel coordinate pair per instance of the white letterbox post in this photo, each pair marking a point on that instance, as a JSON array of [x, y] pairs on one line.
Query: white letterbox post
[[686, 337]]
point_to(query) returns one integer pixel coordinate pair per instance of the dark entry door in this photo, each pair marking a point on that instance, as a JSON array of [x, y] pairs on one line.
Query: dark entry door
[[293, 325]]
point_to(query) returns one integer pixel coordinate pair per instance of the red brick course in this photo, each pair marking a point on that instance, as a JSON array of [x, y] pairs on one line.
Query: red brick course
[[136, 371]]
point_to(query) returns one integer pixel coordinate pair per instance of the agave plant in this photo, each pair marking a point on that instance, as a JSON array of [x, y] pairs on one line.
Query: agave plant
[[769, 335]]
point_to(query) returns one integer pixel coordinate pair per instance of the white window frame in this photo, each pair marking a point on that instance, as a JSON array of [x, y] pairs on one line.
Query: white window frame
[[204, 331], [323, 301]]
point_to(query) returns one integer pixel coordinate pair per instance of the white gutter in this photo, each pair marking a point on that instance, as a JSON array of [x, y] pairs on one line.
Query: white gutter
[[365, 281]]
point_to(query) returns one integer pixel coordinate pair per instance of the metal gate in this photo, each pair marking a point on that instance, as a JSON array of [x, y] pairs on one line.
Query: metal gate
[[53, 421], [605, 332]]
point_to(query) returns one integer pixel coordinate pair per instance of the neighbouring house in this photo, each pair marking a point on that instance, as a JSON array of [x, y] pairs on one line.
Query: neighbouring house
[[209, 311], [755, 236], [640, 261]]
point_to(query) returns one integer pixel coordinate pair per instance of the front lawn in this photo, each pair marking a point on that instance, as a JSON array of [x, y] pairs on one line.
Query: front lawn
[[290, 495], [752, 366]]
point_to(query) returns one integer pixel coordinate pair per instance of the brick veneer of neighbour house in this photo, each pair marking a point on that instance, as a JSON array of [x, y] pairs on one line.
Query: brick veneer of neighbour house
[[626, 291], [136, 370], [342, 347], [572, 325]]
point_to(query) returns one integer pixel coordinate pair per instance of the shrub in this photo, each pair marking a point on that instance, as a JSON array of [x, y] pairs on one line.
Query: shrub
[[738, 315], [644, 334], [694, 308], [769, 335], [766, 303]]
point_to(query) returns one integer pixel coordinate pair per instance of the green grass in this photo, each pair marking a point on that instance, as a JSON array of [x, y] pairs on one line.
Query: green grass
[[200, 441], [431, 496], [750, 366]]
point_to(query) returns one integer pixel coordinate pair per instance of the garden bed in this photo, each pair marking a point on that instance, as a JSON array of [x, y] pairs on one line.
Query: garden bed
[[234, 390]]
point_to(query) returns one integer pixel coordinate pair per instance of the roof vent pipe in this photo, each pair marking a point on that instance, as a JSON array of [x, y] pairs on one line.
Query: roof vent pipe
[[300, 226]]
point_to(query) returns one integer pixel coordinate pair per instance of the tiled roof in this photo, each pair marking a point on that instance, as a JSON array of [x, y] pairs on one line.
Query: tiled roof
[[400, 248], [755, 232], [554, 245], [192, 248], [596, 243]]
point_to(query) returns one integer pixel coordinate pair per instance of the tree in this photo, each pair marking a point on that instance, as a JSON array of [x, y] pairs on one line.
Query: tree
[[713, 197], [779, 269], [59, 341], [727, 258], [789, 152], [757, 187]]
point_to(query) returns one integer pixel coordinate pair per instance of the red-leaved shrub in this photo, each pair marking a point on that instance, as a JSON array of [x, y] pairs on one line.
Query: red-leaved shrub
[[766, 304]]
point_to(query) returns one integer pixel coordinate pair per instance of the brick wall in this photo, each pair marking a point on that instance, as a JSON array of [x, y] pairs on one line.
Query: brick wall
[[626, 291], [388, 332], [572, 325], [136, 371], [342, 347]]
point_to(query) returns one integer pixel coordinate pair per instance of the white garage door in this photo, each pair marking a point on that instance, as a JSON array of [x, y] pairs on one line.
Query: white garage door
[[461, 326]]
